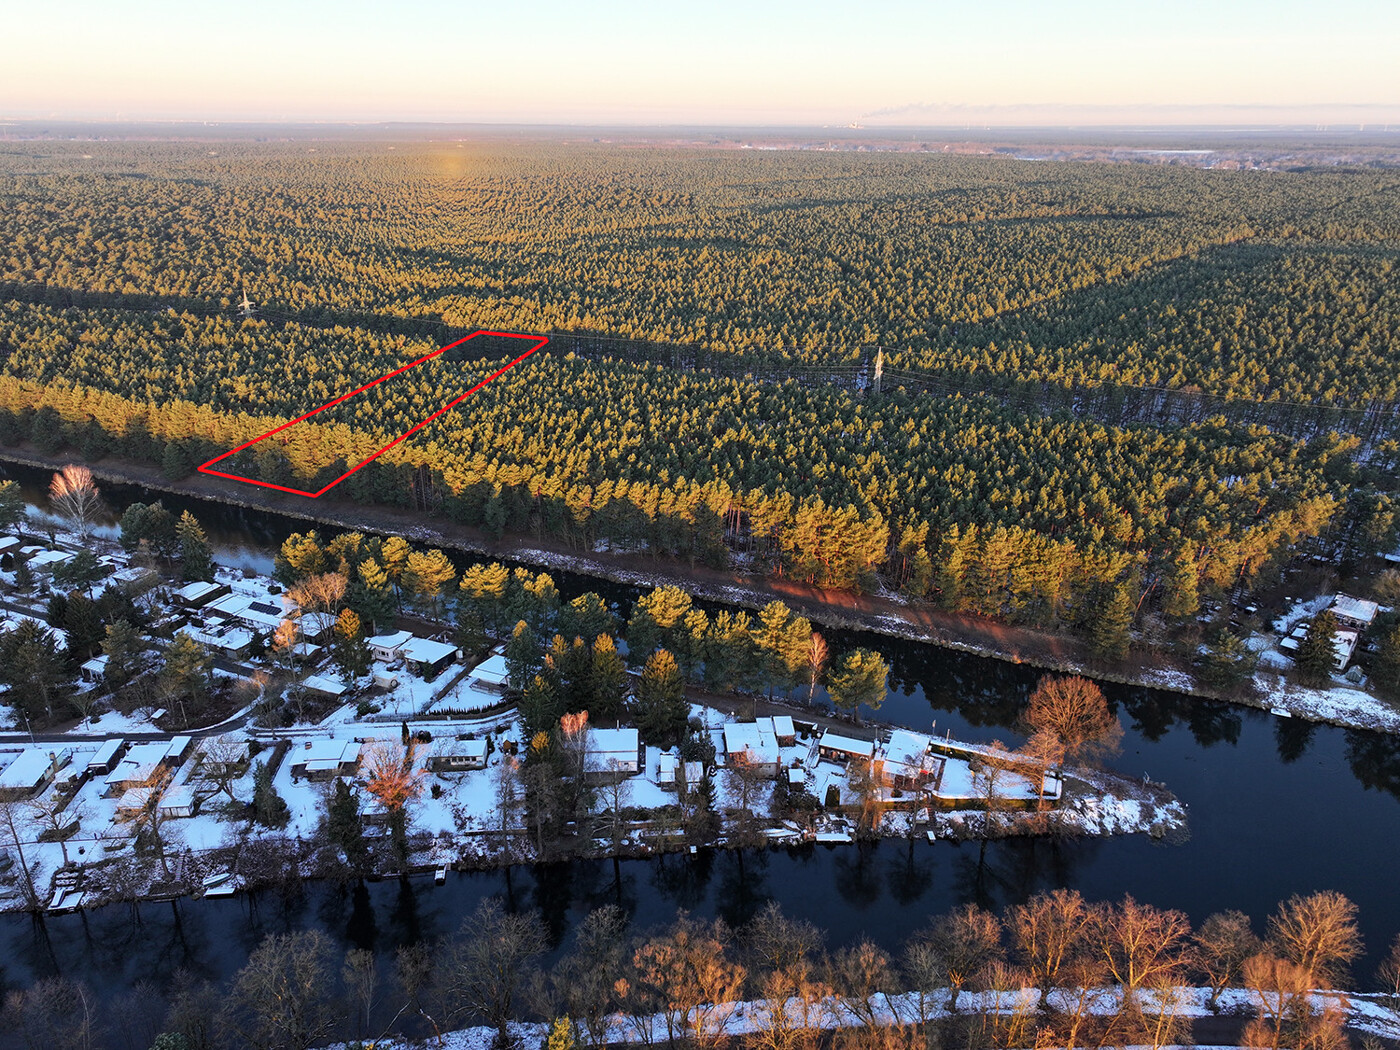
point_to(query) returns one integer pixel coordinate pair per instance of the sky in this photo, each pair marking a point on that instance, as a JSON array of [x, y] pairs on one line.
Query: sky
[[754, 62]]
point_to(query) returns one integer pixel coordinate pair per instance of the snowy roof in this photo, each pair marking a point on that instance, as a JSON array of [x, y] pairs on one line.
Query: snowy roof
[[49, 559], [390, 642], [105, 753], [230, 639], [463, 748], [140, 762], [321, 684], [264, 610], [907, 753], [130, 574], [29, 769], [97, 665], [7, 544], [179, 797], [325, 753], [782, 725], [492, 670], [850, 745], [199, 592], [605, 746], [755, 738], [797, 777], [1358, 609], [426, 651]]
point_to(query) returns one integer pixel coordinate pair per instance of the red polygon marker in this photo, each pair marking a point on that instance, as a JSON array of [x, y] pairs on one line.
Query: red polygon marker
[[205, 468]]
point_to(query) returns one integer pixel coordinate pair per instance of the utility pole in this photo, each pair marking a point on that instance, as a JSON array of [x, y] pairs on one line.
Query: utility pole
[[246, 308], [879, 368]]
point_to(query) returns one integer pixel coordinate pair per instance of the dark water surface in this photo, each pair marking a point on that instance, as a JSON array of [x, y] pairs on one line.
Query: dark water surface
[[1277, 807]]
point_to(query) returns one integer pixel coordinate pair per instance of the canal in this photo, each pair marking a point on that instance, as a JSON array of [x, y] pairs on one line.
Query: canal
[[1277, 807]]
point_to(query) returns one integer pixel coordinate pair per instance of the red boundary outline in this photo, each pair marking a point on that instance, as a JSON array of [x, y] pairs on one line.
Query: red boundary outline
[[204, 468]]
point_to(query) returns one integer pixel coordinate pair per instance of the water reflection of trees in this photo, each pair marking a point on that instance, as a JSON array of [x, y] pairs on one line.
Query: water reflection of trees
[[998, 873], [684, 879], [1293, 736], [1375, 760], [1151, 714]]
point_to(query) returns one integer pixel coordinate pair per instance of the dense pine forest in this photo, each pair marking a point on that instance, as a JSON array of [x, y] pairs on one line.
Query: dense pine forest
[[121, 266]]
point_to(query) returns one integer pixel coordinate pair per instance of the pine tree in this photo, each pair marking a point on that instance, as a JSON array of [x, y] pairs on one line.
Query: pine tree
[[196, 559], [344, 827], [661, 710], [1110, 623], [607, 680], [351, 651], [124, 648], [371, 596], [523, 657], [1385, 671], [859, 678], [84, 626], [1317, 653], [563, 1035], [269, 808], [11, 505], [540, 706], [188, 669]]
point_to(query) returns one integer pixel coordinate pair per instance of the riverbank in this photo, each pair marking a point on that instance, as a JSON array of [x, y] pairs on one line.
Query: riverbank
[[1188, 1011], [886, 614]]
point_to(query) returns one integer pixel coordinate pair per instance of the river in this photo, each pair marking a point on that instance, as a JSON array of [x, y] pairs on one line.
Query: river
[[1277, 807]]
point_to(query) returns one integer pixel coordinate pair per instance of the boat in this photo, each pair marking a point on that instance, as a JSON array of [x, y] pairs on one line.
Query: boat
[[224, 884], [440, 875], [1282, 712]]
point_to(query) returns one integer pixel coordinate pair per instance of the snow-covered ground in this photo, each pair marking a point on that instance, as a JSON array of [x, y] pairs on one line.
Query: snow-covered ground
[[1370, 1015]]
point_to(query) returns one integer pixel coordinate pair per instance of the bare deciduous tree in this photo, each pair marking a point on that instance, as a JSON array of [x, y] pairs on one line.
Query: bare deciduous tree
[[57, 817], [858, 974], [1073, 710], [1319, 933], [1224, 943], [1140, 943], [961, 945], [487, 964], [55, 1013], [687, 971], [1049, 931], [74, 496], [586, 979], [280, 999]]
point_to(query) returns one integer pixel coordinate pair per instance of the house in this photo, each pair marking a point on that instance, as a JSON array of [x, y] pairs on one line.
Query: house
[[144, 764], [131, 576], [666, 765], [199, 594], [837, 748], [610, 753], [9, 547], [385, 647], [230, 641], [30, 772], [322, 686], [1354, 613], [1343, 646], [797, 778], [105, 760], [42, 562], [176, 802], [94, 670], [491, 674], [784, 730], [755, 743], [258, 612], [909, 764], [458, 756], [325, 759], [426, 657]]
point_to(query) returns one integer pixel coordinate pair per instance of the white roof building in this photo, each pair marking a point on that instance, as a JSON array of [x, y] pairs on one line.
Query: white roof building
[[386, 646], [755, 741], [325, 686], [31, 769], [846, 747], [611, 751], [1360, 612], [491, 672], [426, 651]]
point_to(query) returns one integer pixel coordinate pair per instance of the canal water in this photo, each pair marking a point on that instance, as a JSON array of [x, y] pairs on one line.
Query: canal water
[[1277, 807]]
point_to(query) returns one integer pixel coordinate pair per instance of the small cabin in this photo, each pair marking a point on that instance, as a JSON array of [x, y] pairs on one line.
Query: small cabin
[[199, 594], [459, 756], [326, 759], [754, 743], [612, 753], [844, 749], [425, 657], [30, 772]]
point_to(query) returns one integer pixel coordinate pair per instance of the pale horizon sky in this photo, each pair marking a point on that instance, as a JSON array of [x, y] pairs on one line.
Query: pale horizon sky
[[545, 61]]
